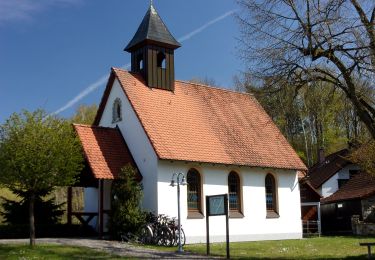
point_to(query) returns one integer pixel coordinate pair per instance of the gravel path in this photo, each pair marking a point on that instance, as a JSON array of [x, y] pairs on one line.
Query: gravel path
[[112, 247]]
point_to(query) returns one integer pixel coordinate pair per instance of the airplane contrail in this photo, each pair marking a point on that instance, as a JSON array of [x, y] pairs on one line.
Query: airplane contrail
[[208, 24], [98, 83], [102, 80]]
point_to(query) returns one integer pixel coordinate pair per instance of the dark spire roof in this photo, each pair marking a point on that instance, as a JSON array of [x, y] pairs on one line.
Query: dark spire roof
[[153, 29]]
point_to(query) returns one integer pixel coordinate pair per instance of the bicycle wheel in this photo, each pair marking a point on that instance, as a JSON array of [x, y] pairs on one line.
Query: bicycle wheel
[[146, 235], [183, 238], [164, 237]]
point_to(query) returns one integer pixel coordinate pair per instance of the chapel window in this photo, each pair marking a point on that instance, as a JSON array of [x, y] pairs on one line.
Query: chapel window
[[194, 193], [116, 111], [234, 189], [271, 196]]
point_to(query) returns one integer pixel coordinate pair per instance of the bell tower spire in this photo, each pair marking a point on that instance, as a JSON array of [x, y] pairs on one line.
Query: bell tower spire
[[152, 51]]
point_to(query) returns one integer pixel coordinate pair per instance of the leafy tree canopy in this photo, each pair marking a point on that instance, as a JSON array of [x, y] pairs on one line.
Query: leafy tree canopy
[[37, 152], [308, 41], [85, 114]]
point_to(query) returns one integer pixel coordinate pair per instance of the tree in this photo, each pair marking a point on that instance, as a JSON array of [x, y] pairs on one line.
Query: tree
[[365, 157], [205, 81], [309, 118], [126, 214], [37, 152], [85, 114], [303, 41]]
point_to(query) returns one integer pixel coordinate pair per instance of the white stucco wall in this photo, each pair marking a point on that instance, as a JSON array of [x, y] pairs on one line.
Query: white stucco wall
[[160, 198], [91, 203], [138, 142], [331, 185], [254, 225]]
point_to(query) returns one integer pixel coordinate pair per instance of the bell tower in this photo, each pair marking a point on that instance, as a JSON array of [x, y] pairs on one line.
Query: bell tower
[[152, 51]]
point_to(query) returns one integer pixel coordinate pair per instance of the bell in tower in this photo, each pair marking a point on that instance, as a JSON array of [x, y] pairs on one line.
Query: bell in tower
[[152, 51]]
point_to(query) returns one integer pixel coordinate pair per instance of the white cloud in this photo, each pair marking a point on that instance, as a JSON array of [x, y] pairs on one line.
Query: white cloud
[[18, 10]]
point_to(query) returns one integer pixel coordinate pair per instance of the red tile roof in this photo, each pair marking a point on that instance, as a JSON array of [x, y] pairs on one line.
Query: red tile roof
[[205, 124], [105, 150], [360, 186], [321, 172]]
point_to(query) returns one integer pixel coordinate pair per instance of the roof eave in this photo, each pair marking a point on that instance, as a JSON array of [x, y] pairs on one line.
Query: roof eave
[[133, 46]]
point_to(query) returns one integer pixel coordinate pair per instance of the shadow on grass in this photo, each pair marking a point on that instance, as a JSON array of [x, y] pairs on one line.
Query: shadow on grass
[[51, 252]]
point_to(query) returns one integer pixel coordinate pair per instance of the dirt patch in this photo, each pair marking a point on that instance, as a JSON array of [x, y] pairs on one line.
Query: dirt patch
[[112, 247]]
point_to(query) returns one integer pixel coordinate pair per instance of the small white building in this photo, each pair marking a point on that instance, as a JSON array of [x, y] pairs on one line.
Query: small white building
[[222, 141], [332, 172]]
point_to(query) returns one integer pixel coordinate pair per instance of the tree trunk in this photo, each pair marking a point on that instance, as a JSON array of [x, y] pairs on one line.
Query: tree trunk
[[31, 219]]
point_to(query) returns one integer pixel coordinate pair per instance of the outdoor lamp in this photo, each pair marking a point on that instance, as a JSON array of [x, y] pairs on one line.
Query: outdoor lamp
[[183, 181], [173, 184]]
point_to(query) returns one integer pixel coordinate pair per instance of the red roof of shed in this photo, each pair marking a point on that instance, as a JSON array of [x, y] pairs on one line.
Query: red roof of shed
[[105, 150]]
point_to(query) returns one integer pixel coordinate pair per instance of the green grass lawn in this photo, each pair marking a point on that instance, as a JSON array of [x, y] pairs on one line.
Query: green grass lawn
[[311, 248], [51, 252]]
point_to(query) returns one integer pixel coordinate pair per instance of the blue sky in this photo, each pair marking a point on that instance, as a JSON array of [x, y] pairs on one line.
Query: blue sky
[[56, 54]]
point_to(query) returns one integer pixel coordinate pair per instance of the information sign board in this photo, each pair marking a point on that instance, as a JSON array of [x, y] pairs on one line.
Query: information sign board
[[216, 205]]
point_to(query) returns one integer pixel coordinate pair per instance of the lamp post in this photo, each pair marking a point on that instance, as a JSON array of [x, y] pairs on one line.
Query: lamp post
[[178, 182]]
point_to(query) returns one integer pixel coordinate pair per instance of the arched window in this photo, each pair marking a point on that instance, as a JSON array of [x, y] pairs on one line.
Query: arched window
[[271, 196], [161, 60], [116, 112], [140, 62], [234, 189], [194, 194]]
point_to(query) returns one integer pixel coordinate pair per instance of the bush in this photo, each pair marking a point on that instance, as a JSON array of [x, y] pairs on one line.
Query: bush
[[126, 215]]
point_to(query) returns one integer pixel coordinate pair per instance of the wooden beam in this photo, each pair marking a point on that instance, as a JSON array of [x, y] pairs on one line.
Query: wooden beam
[[69, 205], [101, 219]]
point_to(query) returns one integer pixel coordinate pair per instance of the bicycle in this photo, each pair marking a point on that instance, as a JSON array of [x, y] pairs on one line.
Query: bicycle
[[161, 230], [175, 232]]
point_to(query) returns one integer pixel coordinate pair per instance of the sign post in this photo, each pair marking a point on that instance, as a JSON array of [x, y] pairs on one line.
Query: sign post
[[217, 205]]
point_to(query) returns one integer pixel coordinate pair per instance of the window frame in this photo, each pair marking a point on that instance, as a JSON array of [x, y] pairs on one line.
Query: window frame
[[235, 213], [195, 213], [140, 62], [161, 60], [117, 110], [274, 211]]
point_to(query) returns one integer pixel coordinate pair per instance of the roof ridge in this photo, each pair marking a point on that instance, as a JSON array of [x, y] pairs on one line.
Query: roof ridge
[[329, 156], [215, 87], [198, 84]]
